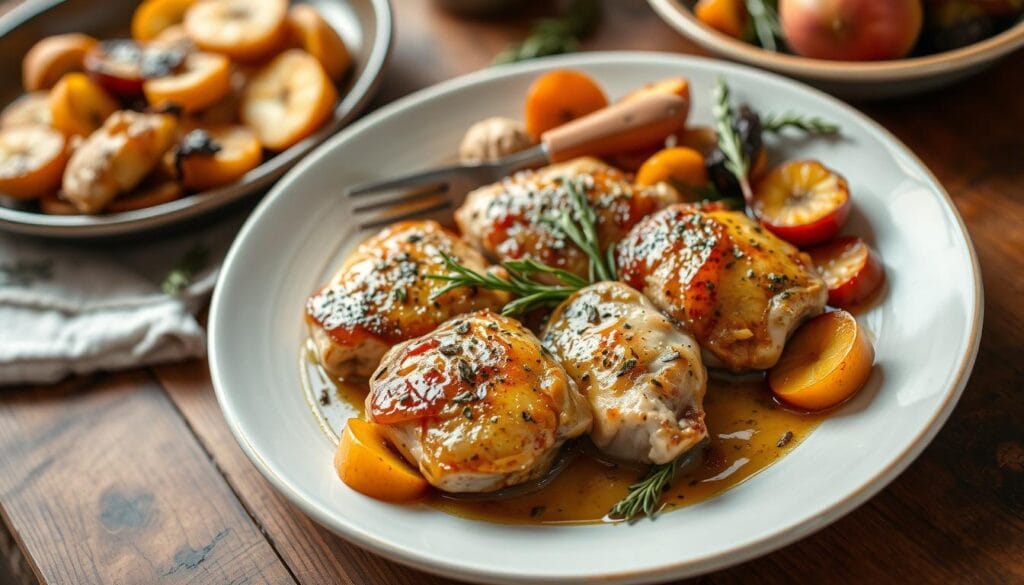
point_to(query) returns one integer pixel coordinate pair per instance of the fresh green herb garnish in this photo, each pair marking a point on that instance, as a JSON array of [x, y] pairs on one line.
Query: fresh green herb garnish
[[764, 20], [554, 36], [645, 495], [775, 123], [579, 224], [729, 141], [178, 279]]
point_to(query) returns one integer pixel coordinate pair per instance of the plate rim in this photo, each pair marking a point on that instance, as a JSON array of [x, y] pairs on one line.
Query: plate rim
[[894, 70], [349, 106], [708, 563]]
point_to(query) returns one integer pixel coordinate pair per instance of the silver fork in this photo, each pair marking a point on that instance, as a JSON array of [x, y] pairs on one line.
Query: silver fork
[[632, 123]]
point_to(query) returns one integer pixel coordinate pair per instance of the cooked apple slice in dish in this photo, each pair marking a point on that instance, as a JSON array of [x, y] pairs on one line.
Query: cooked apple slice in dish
[[642, 376], [53, 57], [203, 79], [476, 404], [32, 159], [383, 295], [218, 155], [31, 109], [318, 38], [78, 106], [288, 99], [246, 30]]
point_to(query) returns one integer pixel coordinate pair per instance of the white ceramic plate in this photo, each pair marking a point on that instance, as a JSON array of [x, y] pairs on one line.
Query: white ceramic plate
[[926, 333], [853, 80], [365, 26]]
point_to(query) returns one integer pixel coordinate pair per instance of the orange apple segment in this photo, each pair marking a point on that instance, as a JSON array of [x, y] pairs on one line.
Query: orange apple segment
[[558, 97], [78, 106], [239, 151], [318, 38], [32, 159], [827, 361], [802, 202], [31, 109], [288, 99], [246, 30], [726, 16], [366, 463], [204, 79], [678, 166], [152, 17], [49, 59]]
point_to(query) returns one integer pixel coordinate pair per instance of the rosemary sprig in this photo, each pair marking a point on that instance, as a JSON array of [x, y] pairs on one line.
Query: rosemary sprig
[[579, 224], [645, 495], [765, 22], [553, 36], [520, 282], [729, 141], [178, 279], [774, 122]]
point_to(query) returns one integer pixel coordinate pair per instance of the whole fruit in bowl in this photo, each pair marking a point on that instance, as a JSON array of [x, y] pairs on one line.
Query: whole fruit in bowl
[[851, 30]]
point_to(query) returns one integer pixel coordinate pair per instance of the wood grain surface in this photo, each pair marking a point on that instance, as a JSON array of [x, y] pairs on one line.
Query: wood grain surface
[[135, 478]]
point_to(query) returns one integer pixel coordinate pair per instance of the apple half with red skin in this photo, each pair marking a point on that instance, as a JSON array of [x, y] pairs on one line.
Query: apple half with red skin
[[851, 30], [803, 202], [851, 270]]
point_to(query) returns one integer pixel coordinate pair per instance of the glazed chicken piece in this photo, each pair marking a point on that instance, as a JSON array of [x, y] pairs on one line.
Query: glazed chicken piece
[[114, 159], [504, 220], [642, 376], [737, 287], [477, 404], [381, 296]]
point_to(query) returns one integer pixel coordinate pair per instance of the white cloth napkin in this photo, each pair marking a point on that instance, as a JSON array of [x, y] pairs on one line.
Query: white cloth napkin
[[75, 308]]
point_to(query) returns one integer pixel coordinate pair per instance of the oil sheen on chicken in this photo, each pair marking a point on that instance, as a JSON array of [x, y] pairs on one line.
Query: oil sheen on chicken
[[477, 404], [739, 289], [505, 220], [643, 377], [381, 296]]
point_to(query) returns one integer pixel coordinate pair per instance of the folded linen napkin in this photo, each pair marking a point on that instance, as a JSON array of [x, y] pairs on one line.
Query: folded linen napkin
[[75, 308]]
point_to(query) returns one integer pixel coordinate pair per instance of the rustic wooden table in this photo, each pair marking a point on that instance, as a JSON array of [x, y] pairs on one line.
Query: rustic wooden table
[[134, 477]]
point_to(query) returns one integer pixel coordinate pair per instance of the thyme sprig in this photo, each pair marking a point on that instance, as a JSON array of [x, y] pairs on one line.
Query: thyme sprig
[[775, 123], [764, 20], [729, 141], [521, 282], [579, 224], [553, 36], [645, 495]]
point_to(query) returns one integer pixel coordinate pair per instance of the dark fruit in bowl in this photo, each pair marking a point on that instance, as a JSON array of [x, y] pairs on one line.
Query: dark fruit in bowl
[[121, 66]]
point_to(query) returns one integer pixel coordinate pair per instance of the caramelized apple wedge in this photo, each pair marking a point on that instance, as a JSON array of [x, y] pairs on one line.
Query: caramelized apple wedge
[[32, 159], [246, 30]]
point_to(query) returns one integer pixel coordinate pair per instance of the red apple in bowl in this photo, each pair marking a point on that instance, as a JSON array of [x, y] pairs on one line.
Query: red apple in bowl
[[851, 30]]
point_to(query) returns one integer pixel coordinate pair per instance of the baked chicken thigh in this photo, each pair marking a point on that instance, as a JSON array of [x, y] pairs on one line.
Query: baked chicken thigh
[[381, 296], [505, 220], [642, 376], [739, 289], [477, 404]]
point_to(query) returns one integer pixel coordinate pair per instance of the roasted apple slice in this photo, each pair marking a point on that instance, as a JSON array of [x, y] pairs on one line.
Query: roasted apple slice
[[802, 202], [49, 59], [561, 96], [246, 30], [203, 80], [850, 268], [318, 38], [31, 109], [78, 106], [288, 99], [147, 195], [32, 159], [152, 17], [827, 361], [726, 16], [366, 463], [122, 66], [216, 156], [681, 167]]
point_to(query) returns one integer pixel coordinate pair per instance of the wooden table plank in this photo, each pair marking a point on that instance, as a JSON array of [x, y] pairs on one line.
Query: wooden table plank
[[104, 483], [313, 554]]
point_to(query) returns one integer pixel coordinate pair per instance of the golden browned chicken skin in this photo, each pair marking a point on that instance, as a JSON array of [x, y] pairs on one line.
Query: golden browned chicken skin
[[642, 376], [477, 404], [504, 220], [737, 287], [381, 296]]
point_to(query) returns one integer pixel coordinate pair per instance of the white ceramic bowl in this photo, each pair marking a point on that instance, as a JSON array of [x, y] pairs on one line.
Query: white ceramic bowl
[[365, 26], [852, 80], [926, 332]]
